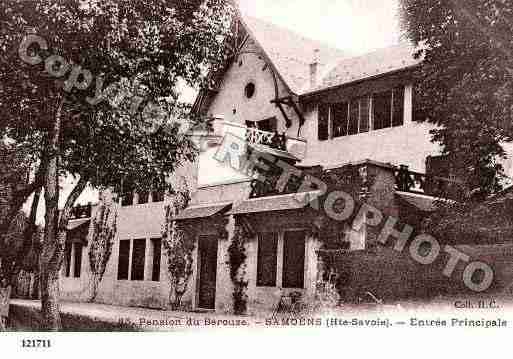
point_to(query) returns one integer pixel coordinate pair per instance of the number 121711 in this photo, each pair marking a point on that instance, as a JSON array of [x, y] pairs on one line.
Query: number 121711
[[36, 343]]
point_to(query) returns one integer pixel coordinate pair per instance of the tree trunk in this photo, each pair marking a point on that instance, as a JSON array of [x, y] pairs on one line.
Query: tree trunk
[[51, 252], [35, 289], [52, 248], [95, 282], [50, 309], [19, 198]]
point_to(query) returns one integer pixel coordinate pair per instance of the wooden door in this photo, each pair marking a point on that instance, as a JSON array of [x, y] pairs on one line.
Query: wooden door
[[207, 272]]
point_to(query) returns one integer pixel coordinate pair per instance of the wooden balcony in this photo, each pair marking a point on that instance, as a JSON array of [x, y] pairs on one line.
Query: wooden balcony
[[431, 185]]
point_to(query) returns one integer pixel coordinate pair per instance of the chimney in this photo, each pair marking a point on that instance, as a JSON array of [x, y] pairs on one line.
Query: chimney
[[314, 69]]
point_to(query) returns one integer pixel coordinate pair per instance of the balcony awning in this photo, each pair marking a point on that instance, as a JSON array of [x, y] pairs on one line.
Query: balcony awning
[[274, 152], [203, 211], [76, 223], [276, 203], [421, 202]]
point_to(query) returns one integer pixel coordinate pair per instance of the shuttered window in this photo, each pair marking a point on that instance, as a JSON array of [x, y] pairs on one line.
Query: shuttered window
[[124, 259], [77, 260], [157, 252], [267, 259], [138, 258], [293, 259]]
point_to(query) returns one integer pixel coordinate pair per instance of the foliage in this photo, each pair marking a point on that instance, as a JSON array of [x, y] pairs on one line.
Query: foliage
[[470, 223], [465, 82], [122, 57], [102, 240], [237, 262], [179, 244], [352, 180], [11, 247], [146, 51]]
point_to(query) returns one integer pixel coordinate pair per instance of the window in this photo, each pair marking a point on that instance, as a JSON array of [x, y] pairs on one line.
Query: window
[[144, 197], [293, 260], [323, 122], [339, 116], [354, 117], [249, 90], [364, 114], [138, 253], [77, 258], [385, 109], [398, 108], [123, 261], [72, 259], [157, 252], [388, 108], [419, 113], [347, 118], [382, 110], [157, 196], [267, 260]]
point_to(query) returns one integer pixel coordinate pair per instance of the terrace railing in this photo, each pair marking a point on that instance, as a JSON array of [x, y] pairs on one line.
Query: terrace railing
[[431, 185]]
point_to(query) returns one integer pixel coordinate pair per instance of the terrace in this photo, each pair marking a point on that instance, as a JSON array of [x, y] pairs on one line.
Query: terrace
[[427, 184]]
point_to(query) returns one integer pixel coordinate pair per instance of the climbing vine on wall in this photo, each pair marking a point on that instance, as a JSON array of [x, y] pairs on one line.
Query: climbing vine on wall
[[179, 243], [356, 181], [102, 240], [237, 262]]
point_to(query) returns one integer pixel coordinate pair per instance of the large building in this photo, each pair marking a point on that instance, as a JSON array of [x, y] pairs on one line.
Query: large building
[[315, 108]]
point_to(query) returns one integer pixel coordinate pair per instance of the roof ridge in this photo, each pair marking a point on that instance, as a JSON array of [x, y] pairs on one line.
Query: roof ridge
[[294, 32], [381, 49]]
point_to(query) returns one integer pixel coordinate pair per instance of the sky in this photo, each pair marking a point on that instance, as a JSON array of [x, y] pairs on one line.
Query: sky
[[357, 26]]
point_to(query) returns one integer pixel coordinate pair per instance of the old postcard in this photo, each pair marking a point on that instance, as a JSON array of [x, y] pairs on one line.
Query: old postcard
[[198, 166]]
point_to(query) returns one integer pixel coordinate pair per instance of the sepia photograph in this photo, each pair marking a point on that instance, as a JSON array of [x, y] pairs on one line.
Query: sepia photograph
[[196, 166]]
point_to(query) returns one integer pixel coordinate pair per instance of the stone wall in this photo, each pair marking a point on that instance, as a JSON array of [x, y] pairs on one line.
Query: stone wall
[[393, 276]]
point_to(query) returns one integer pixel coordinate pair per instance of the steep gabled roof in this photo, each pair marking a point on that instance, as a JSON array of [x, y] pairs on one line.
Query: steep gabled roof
[[291, 53], [372, 64]]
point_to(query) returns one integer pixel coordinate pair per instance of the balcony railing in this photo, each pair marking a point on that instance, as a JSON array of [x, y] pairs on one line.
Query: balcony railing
[[79, 212], [435, 186], [294, 146]]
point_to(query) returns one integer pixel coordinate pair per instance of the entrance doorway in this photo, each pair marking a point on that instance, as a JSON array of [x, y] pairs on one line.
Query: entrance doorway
[[207, 254]]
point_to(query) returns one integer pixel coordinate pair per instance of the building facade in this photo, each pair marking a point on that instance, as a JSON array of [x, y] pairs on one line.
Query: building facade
[[315, 108]]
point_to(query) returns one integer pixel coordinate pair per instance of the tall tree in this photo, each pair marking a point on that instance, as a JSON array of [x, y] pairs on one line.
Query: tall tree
[[84, 83], [465, 83]]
